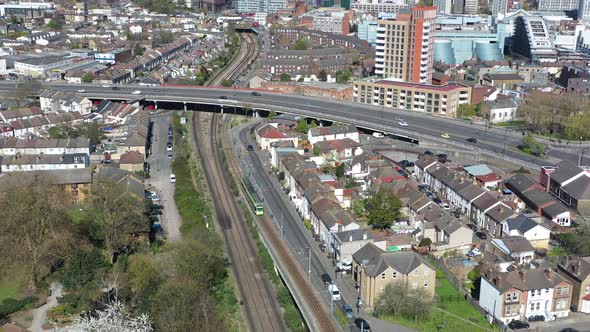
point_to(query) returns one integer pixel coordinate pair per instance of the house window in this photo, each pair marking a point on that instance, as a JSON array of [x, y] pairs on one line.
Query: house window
[[532, 306], [538, 305], [415, 284], [512, 297], [561, 304], [394, 275], [382, 275], [426, 272], [511, 310], [416, 272], [562, 291], [426, 283]]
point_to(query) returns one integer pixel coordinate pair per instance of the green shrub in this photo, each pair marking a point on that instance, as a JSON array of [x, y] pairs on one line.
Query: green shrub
[[10, 306]]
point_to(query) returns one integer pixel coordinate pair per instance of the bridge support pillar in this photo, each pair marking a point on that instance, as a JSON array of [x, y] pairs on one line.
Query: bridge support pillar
[[221, 109], [155, 104], [184, 106]]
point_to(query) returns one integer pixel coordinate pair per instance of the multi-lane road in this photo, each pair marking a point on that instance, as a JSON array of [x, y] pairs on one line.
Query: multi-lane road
[[500, 143]]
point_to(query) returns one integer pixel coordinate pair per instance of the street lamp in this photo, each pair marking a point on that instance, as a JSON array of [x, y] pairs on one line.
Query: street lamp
[[301, 251]]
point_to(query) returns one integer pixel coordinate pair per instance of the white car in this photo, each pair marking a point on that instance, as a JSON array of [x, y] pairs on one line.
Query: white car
[[136, 92], [333, 289], [378, 135], [445, 206], [81, 91], [474, 252], [172, 178], [403, 123], [106, 86], [344, 266]]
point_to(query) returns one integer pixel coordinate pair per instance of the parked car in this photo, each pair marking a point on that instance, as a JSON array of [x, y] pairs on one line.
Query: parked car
[[518, 325], [335, 292], [170, 139], [170, 155], [445, 206], [344, 266], [81, 90], [474, 252], [473, 227], [437, 200], [472, 140], [403, 123], [136, 92], [428, 153], [326, 278], [106, 86], [481, 235], [170, 131], [569, 329], [250, 147], [172, 178], [347, 311], [255, 94], [445, 135], [222, 97], [152, 195], [323, 247], [362, 324], [423, 188], [169, 147], [378, 135], [116, 88]]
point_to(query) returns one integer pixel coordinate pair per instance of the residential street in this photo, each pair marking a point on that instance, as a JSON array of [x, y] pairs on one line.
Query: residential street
[[160, 176], [296, 235]]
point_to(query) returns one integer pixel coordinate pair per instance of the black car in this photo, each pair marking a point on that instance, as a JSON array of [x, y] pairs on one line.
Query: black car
[[473, 227], [518, 324], [428, 153], [442, 157], [116, 88], [256, 94], [250, 147], [170, 130], [569, 329], [472, 140], [222, 97], [326, 279], [170, 138], [481, 235], [362, 324]]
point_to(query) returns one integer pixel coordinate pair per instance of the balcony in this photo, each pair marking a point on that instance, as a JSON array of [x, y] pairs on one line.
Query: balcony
[[379, 53]]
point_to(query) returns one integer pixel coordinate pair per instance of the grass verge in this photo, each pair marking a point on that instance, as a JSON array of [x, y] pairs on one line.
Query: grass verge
[[195, 210]]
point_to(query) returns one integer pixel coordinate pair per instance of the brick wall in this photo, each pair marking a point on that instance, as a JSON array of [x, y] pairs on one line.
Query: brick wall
[[306, 90]]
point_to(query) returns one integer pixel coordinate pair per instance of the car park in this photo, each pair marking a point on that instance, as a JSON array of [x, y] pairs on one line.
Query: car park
[[362, 324], [472, 140], [518, 325], [326, 278], [347, 311], [481, 235]]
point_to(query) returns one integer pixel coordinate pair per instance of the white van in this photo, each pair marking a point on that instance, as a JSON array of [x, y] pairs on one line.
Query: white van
[[333, 289], [172, 178]]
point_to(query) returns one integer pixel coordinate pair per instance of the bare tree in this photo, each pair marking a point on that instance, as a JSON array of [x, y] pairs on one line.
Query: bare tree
[[113, 318]]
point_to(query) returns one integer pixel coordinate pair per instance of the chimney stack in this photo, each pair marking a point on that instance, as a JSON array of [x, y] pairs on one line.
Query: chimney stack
[[522, 274], [350, 237], [365, 235], [548, 273]]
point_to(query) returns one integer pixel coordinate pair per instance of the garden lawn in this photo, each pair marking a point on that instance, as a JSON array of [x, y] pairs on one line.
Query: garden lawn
[[9, 288]]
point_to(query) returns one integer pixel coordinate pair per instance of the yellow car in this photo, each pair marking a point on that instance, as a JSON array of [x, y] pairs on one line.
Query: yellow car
[[445, 135]]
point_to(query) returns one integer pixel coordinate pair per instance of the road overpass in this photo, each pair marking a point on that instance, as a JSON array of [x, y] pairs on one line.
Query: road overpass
[[496, 143]]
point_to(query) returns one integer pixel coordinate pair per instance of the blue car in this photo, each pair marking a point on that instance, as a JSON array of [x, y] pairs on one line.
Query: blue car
[[347, 311]]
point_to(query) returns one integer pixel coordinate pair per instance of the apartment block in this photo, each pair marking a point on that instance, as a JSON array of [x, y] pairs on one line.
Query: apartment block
[[435, 99], [405, 46]]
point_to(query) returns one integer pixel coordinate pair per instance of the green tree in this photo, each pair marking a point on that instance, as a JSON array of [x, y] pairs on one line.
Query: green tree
[[302, 126], [577, 242], [343, 76], [467, 110], [425, 242], [340, 170], [82, 268], [316, 150], [54, 24], [227, 83], [114, 217], [578, 125], [383, 208], [37, 233], [398, 299], [137, 50], [300, 45], [285, 77], [56, 133], [323, 76], [358, 207], [87, 78], [531, 146]]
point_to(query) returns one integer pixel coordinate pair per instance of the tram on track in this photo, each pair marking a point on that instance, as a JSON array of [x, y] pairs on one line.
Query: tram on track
[[253, 199]]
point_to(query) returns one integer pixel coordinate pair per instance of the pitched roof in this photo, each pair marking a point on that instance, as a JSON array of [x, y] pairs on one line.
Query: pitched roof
[[521, 223], [576, 267], [485, 201], [131, 157], [471, 192], [565, 171], [333, 130], [514, 244], [525, 280], [579, 188], [520, 183]]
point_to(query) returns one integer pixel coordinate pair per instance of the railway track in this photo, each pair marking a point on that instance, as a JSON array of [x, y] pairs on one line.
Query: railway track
[[260, 305]]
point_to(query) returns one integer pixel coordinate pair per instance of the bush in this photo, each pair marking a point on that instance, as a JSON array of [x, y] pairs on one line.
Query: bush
[[440, 274], [10, 306], [425, 242], [307, 224], [82, 268]]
